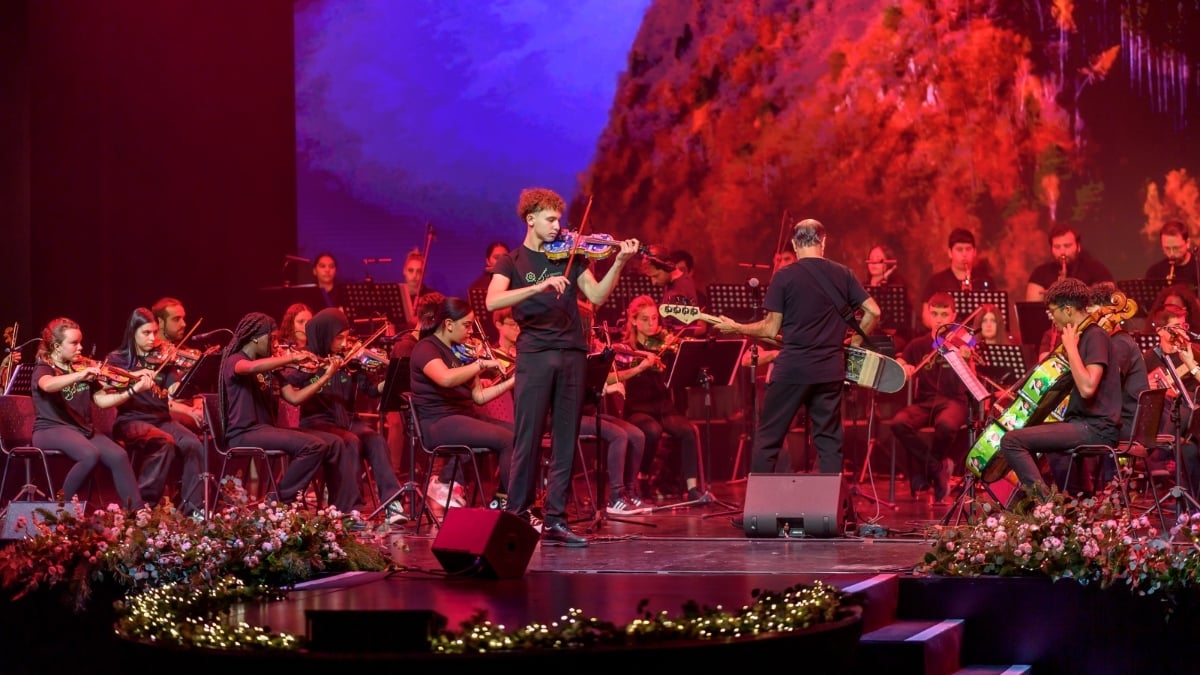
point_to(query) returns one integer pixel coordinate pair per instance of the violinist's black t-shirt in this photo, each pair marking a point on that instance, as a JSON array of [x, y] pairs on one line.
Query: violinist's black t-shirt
[[248, 398], [333, 402], [547, 320], [69, 407], [432, 400], [1103, 410], [145, 406]]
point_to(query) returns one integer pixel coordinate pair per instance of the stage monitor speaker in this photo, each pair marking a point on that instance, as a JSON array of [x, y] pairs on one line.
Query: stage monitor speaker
[[30, 511], [485, 543], [796, 505]]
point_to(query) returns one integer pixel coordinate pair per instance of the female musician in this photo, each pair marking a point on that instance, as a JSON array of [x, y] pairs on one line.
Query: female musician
[[624, 442], [248, 415], [63, 396], [291, 327], [445, 391], [145, 425], [882, 270], [989, 326], [325, 273], [649, 404], [1179, 295], [326, 398]]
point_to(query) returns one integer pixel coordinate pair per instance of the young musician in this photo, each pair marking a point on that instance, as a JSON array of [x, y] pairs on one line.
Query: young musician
[[325, 274], [1093, 415], [550, 373], [171, 317], [1069, 261], [649, 404], [940, 400], [446, 389], [145, 424], [63, 396], [1179, 263], [811, 366], [329, 408], [248, 414], [291, 331]]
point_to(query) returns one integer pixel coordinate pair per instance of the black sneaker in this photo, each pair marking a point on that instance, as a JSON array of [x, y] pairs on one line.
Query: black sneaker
[[560, 534]]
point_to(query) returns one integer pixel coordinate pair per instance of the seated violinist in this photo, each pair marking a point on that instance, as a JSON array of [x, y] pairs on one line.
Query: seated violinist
[[940, 400], [649, 404], [145, 425]]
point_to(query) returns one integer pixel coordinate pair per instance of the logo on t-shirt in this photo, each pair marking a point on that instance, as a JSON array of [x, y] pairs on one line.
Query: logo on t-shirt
[[546, 274], [70, 390]]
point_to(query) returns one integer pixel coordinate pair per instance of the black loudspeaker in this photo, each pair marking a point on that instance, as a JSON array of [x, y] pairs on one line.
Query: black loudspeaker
[[796, 505], [485, 543], [15, 511]]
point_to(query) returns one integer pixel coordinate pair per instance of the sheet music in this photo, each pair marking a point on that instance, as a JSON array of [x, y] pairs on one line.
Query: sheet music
[[964, 373]]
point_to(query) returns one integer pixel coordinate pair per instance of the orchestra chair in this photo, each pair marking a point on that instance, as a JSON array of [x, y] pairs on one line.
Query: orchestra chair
[[16, 442], [213, 436], [958, 452], [449, 453], [1143, 438]]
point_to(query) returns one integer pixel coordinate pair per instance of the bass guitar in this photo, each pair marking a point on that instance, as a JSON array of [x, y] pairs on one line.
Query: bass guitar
[[864, 367]]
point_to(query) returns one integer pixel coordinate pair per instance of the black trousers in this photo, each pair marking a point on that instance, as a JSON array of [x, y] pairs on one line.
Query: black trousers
[[157, 447], [780, 403], [547, 382]]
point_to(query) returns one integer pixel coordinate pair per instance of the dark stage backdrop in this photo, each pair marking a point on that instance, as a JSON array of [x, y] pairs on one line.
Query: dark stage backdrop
[[148, 150]]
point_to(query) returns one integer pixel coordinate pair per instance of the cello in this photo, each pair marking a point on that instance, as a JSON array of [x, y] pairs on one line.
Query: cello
[[1040, 397]]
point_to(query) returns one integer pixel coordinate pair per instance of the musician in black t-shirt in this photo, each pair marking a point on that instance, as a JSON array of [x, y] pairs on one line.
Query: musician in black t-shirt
[[63, 396], [553, 365], [939, 400], [248, 415], [1179, 263], [145, 425], [327, 404], [1070, 260], [1093, 415], [811, 366]]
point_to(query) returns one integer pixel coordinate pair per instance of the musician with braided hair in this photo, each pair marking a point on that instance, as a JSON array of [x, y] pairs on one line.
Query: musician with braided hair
[[248, 413]]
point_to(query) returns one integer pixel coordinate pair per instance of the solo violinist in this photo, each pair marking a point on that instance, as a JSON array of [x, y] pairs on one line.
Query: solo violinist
[[145, 425], [550, 373], [326, 396], [1093, 415], [447, 387], [63, 395]]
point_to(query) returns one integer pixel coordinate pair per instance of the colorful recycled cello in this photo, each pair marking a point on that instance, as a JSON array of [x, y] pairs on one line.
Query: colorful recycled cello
[[1041, 397]]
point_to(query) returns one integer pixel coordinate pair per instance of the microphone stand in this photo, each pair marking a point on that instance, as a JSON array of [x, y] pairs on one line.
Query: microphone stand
[[1180, 491]]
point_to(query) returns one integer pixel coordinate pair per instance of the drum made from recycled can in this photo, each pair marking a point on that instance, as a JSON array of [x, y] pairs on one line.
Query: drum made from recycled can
[[984, 459]]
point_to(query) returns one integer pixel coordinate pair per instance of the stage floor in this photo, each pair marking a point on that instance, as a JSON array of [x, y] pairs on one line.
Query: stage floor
[[666, 559]]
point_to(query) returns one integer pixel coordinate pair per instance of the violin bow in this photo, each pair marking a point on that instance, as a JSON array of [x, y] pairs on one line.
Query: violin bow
[[578, 239]]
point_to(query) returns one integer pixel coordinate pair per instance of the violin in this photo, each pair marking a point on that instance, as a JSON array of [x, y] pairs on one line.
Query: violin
[[182, 358], [110, 376], [308, 363], [594, 246], [369, 360]]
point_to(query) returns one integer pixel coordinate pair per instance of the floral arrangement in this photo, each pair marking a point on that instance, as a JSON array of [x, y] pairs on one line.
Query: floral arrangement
[[1092, 540], [265, 544]]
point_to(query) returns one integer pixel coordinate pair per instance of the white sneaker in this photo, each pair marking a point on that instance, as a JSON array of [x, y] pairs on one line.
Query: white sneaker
[[394, 514], [620, 507], [437, 491], [457, 497]]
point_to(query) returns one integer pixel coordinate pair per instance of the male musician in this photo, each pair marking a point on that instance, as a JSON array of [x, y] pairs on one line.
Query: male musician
[[414, 275], [940, 399], [1070, 260], [1093, 415], [172, 327], [551, 370], [1179, 263], [962, 274], [811, 366]]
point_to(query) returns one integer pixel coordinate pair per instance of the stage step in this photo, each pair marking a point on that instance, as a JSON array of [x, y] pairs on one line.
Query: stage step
[[1014, 669], [882, 593], [918, 647]]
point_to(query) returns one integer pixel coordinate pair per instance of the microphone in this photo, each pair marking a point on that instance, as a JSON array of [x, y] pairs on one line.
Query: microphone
[[373, 261], [202, 337], [753, 282], [296, 258]]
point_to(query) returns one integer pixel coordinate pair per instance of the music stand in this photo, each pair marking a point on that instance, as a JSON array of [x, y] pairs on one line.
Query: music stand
[[201, 378], [1033, 320], [1142, 291], [893, 302], [477, 298], [740, 302], [628, 287], [966, 302], [396, 384], [1004, 363], [599, 365], [706, 362], [370, 300], [21, 382]]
